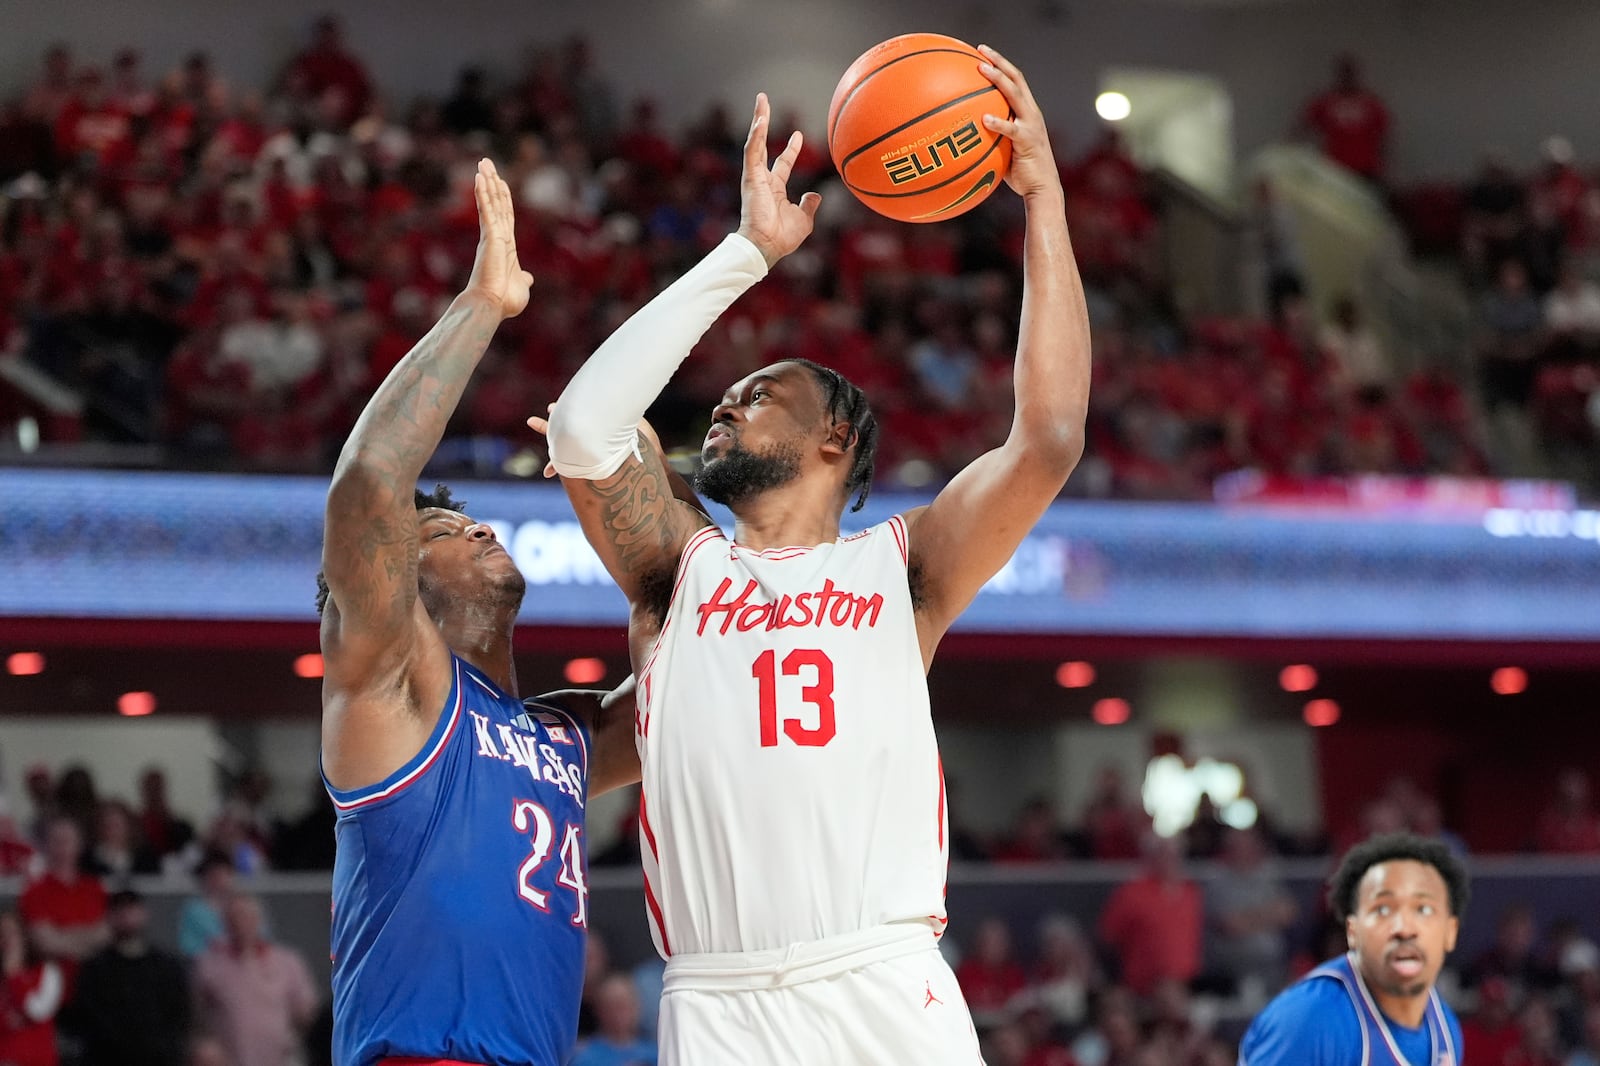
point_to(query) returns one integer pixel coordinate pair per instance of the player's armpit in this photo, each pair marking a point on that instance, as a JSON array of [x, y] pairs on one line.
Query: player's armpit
[[963, 538], [378, 708], [636, 523], [613, 756]]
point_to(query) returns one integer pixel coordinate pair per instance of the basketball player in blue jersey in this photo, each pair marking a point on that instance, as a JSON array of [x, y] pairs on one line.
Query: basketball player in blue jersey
[[1401, 898], [460, 903]]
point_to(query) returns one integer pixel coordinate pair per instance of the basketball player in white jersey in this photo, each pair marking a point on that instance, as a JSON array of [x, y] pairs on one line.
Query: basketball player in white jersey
[[793, 816]]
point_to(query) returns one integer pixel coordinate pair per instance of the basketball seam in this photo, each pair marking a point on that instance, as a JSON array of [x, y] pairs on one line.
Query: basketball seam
[[932, 216], [834, 125], [908, 123], [930, 188]]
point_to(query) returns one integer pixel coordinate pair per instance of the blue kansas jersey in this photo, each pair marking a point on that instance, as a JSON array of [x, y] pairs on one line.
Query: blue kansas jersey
[[460, 899], [1330, 1019]]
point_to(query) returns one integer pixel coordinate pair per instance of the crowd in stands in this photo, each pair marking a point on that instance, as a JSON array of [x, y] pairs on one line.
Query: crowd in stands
[[1168, 970], [229, 271]]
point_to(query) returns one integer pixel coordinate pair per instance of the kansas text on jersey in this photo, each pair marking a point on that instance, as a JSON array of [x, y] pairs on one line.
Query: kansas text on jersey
[[460, 899]]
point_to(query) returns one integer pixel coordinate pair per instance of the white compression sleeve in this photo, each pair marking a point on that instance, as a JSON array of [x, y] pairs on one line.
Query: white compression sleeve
[[594, 427]]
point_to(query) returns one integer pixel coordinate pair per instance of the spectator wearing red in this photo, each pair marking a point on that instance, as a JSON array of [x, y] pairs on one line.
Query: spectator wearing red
[[1538, 1043], [129, 93], [327, 66], [16, 850], [1044, 1049], [64, 909], [46, 97], [1036, 837], [92, 129], [1112, 824], [1153, 924], [1350, 121], [990, 977], [31, 992], [1490, 1033], [1561, 183], [1569, 826]]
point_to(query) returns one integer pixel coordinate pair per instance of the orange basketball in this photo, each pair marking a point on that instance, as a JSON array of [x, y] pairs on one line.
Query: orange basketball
[[906, 128]]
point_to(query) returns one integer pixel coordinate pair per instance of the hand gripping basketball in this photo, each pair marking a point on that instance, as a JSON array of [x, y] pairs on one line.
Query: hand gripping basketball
[[767, 217], [1033, 163]]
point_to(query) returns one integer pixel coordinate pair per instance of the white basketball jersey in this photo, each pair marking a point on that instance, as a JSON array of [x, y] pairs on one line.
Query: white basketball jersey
[[792, 785]]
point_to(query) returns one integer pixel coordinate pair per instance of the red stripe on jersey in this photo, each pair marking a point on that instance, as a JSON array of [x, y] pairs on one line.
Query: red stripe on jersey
[[897, 526], [941, 803], [696, 542], [649, 834], [655, 915], [778, 555], [649, 889]]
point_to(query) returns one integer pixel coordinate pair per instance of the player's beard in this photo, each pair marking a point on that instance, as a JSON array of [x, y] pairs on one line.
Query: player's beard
[[739, 474]]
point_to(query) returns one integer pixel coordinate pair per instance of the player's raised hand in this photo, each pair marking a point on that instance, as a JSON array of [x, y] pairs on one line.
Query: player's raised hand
[[768, 218], [1033, 163], [496, 272]]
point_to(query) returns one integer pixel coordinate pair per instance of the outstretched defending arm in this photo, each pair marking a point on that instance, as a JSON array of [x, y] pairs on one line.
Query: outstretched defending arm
[[381, 655], [975, 523], [621, 492]]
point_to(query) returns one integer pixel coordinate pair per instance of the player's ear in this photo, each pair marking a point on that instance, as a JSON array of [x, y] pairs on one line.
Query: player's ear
[[1450, 933], [1350, 933], [841, 438]]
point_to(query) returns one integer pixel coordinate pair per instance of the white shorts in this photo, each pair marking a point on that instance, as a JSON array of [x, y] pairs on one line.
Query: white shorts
[[881, 997]]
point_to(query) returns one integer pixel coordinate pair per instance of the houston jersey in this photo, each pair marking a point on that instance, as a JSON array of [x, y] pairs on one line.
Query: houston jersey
[[792, 787], [459, 894]]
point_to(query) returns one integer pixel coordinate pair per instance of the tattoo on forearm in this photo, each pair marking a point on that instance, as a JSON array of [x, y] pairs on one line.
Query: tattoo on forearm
[[371, 535], [637, 507]]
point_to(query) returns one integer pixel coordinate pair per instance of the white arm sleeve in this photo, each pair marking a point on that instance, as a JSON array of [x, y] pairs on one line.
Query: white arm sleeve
[[594, 427]]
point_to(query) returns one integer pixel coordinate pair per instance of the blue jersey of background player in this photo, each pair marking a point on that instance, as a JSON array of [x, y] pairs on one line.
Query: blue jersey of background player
[[459, 893], [1401, 898]]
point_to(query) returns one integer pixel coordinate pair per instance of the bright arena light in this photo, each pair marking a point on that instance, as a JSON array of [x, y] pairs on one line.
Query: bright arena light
[[1113, 106], [136, 704], [25, 663], [308, 665], [1111, 711], [1075, 675], [1321, 713], [585, 671], [1509, 680], [1298, 678]]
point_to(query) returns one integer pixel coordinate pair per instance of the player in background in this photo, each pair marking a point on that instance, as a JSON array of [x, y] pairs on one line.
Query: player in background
[[793, 816], [460, 900], [1401, 898]]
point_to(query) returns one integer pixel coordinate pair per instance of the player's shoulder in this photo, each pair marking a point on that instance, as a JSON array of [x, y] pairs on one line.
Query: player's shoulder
[[1309, 1023]]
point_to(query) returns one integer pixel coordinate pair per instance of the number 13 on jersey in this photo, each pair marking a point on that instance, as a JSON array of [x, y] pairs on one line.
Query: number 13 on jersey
[[814, 673]]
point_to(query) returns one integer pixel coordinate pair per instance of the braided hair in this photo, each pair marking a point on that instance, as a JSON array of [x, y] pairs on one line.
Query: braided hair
[[846, 402]]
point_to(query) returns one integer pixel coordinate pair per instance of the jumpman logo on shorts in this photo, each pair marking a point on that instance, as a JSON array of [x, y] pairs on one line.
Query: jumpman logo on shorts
[[932, 999]]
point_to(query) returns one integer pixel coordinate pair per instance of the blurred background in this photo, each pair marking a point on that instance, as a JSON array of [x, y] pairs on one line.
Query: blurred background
[[1328, 569]]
